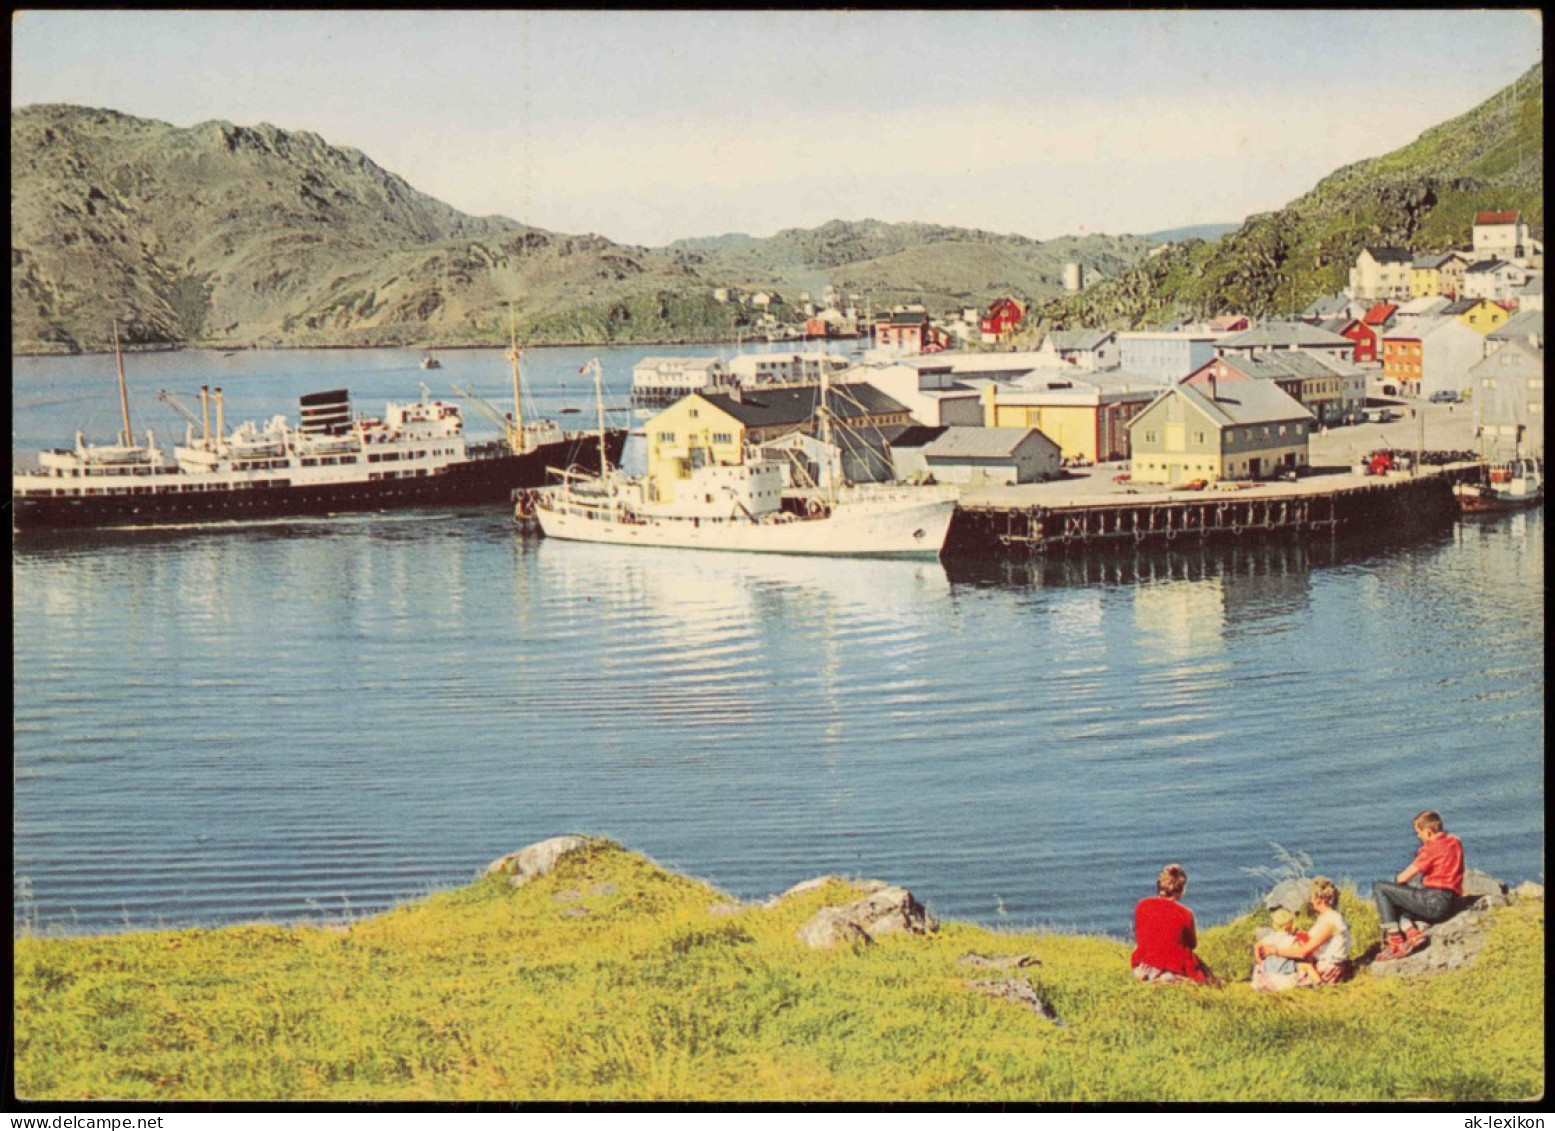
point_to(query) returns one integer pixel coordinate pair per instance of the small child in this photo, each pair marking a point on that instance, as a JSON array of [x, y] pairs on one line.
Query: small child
[[1284, 934]]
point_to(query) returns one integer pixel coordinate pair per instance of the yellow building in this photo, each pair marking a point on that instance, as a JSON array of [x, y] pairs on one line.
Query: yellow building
[[1479, 314], [1085, 413], [716, 429], [1247, 429]]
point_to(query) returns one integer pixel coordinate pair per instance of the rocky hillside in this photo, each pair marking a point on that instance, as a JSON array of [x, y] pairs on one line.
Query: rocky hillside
[[945, 268], [231, 235], [1422, 197]]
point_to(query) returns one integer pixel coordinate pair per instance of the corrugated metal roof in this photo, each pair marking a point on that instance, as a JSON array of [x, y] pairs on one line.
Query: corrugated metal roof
[[1247, 402], [1284, 334]]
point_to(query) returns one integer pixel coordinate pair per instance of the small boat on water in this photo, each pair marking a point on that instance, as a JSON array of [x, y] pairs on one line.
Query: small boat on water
[[743, 507], [430, 362], [1513, 486]]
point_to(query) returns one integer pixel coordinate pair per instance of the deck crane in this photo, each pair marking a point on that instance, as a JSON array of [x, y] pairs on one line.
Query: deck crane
[[167, 397]]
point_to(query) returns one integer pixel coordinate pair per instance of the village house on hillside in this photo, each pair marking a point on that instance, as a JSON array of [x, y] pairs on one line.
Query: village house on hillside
[[1003, 318], [1251, 430], [1440, 273], [1495, 279], [1381, 272], [1479, 314], [1501, 234]]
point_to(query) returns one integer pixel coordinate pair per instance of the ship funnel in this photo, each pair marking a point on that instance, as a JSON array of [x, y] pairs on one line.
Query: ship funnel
[[325, 414]]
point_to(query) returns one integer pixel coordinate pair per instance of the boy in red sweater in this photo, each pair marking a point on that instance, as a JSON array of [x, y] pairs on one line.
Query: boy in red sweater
[[1433, 896]]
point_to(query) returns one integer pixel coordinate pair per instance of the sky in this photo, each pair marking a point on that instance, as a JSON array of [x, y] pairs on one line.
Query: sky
[[650, 126]]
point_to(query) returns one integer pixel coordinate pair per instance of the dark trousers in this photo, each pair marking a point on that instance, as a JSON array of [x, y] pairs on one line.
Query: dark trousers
[[1429, 905]]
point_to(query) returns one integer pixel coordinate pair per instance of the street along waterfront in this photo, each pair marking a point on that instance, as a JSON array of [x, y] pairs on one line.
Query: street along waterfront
[[319, 719]]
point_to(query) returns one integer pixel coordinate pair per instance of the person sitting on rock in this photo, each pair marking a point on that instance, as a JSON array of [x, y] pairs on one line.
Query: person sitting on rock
[[1164, 935], [1321, 958], [1428, 891]]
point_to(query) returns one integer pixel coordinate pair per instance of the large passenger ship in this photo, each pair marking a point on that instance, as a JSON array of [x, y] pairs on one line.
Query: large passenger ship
[[415, 455]]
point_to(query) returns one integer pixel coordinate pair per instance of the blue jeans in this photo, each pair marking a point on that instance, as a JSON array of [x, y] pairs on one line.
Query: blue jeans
[[1429, 905]]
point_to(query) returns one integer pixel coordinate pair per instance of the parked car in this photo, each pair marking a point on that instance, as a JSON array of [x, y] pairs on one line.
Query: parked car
[[1445, 396]]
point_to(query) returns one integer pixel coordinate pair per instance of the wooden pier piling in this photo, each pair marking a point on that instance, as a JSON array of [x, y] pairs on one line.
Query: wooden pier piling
[[1106, 523]]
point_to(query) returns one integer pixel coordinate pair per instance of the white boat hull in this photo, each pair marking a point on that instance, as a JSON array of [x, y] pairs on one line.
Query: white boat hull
[[892, 528]]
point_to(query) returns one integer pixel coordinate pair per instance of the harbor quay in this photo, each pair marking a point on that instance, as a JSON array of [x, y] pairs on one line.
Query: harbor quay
[[1100, 508]]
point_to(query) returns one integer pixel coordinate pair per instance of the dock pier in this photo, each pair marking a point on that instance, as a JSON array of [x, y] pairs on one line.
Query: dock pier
[[1007, 525]]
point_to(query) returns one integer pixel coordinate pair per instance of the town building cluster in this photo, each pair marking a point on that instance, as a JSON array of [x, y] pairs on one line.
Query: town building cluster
[[1224, 399]]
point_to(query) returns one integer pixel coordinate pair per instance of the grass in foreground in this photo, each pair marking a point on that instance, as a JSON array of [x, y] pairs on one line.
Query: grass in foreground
[[611, 979]]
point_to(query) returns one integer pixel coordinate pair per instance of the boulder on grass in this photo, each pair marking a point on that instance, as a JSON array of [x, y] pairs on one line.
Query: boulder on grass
[[1290, 894], [884, 911], [536, 860]]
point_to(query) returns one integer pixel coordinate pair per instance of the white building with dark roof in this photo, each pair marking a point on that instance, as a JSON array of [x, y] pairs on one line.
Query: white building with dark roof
[[992, 457], [1084, 349], [1381, 272]]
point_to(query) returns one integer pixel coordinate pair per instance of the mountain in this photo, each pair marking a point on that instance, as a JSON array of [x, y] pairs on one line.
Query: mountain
[[1422, 197], [943, 267], [1207, 232], [230, 235]]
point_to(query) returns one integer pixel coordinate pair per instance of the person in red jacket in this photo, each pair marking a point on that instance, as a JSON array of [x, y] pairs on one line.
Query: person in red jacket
[[1164, 935], [1428, 891]]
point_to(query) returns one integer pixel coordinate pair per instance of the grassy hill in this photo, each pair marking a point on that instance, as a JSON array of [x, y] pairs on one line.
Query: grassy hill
[[612, 979], [229, 235], [1422, 197]]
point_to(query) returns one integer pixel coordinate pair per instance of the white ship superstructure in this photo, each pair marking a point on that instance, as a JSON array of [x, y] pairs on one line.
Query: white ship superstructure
[[746, 506]]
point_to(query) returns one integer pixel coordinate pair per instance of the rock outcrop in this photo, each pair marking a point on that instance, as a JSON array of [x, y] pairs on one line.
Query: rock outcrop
[[886, 910], [1021, 992], [536, 860]]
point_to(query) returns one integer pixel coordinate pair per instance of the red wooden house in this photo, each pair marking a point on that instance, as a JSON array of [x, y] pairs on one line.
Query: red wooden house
[[1367, 339], [1002, 317]]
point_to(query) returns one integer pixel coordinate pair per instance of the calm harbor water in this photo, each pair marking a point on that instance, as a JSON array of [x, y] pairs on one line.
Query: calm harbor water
[[322, 718]]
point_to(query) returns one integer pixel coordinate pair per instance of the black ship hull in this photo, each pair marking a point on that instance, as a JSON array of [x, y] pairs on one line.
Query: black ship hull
[[476, 482]]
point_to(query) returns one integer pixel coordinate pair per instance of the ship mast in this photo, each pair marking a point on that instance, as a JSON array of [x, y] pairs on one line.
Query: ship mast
[[124, 393], [599, 409], [823, 420], [516, 428]]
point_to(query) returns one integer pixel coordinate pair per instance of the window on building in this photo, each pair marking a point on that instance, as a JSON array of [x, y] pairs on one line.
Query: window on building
[[1535, 406]]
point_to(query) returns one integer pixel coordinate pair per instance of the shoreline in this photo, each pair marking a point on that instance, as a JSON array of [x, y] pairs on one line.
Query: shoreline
[[204, 347]]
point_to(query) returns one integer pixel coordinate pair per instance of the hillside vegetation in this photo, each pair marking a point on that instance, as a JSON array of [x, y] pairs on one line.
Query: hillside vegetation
[[612, 979], [230, 235], [1422, 197]]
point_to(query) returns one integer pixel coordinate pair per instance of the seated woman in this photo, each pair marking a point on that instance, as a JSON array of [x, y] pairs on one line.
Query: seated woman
[[1323, 958], [1165, 937]]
